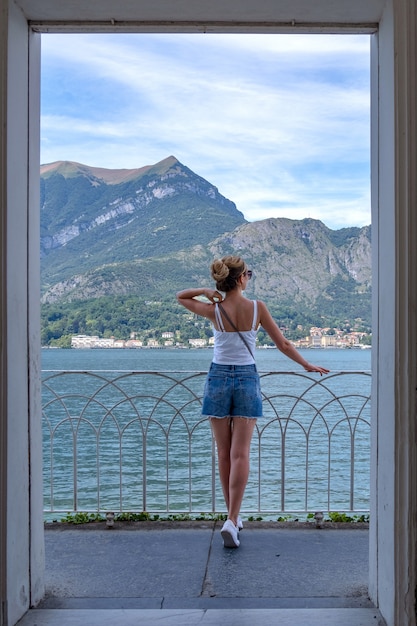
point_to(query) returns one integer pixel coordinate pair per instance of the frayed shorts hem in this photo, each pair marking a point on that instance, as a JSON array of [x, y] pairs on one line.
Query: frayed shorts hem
[[223, 417]]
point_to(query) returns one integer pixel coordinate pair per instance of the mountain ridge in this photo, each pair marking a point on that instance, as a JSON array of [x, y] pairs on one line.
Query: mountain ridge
[[155, 230], [71, 169], [88, 223]]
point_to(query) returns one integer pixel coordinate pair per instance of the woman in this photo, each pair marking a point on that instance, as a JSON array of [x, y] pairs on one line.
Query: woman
[[232, 395]]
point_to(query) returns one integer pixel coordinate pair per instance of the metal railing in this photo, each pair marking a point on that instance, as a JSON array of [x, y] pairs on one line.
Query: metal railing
[[136, 441]]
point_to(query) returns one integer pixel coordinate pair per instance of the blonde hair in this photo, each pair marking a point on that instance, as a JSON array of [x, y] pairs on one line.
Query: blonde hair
[[226, 272]]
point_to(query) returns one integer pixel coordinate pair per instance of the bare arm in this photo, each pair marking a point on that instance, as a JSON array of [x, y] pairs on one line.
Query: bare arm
[[188, 299], [283, 344]]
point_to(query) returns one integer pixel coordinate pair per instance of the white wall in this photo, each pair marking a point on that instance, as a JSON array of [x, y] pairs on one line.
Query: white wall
[[382, 585], [23, 536], [394, 236], [36, 534]]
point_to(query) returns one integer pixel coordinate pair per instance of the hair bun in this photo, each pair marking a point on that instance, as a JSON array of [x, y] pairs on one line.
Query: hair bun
[[226, 272], [219, 270]]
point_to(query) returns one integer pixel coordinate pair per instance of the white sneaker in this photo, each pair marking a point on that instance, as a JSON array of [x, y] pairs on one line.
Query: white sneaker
[[239, 523], [230, 535]]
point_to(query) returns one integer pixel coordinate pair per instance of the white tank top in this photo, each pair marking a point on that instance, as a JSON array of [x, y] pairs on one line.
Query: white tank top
[[229, 348]]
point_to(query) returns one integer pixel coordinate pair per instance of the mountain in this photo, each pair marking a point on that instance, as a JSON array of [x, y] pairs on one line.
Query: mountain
[[151, 231], [91, 217]]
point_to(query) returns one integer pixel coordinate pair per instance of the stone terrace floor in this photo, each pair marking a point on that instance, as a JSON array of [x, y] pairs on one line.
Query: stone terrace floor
[[179, 574]]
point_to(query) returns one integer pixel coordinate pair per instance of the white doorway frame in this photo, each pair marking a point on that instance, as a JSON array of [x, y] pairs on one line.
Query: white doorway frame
[[393, 529]]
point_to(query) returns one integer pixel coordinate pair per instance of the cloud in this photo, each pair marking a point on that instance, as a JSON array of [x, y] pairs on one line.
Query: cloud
[[276, 122]]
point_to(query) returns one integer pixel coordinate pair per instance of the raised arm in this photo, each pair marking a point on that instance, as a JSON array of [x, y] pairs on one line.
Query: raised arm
[[189, 299], [285, 346]]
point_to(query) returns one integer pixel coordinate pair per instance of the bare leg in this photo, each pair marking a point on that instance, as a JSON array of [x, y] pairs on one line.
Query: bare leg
[[239, 463], [233, 439], [222, 431]]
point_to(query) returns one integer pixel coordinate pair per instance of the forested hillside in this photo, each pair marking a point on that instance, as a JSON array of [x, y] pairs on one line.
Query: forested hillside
[[118, 244]]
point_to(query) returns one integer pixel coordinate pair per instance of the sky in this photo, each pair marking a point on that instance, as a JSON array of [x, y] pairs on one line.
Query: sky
[[280, 124]]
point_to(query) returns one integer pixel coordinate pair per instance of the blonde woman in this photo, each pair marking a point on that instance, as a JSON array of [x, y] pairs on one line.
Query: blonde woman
[[232, 394]]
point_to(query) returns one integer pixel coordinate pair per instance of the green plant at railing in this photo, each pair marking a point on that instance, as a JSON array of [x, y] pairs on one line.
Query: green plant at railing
[[211, 517], [136, 517], [334, 516], [82, 518], [281, 518], [173, 517], [337, 517]]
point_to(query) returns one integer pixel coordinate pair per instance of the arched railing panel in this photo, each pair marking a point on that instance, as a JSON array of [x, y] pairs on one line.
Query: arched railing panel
[[136, 441]]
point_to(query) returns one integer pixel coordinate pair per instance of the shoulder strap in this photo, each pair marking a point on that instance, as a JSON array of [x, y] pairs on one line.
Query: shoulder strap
[[234, 327], [218, 318], [255, 314]]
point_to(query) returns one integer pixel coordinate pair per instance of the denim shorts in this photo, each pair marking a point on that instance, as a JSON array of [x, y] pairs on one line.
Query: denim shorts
[[232, 391]]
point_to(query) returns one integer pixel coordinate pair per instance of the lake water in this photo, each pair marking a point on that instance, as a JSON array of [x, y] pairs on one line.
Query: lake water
[[195, 359], [114, 440]]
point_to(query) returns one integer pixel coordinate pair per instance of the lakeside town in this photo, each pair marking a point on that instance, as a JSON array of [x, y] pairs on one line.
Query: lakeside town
[[318, 338]]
